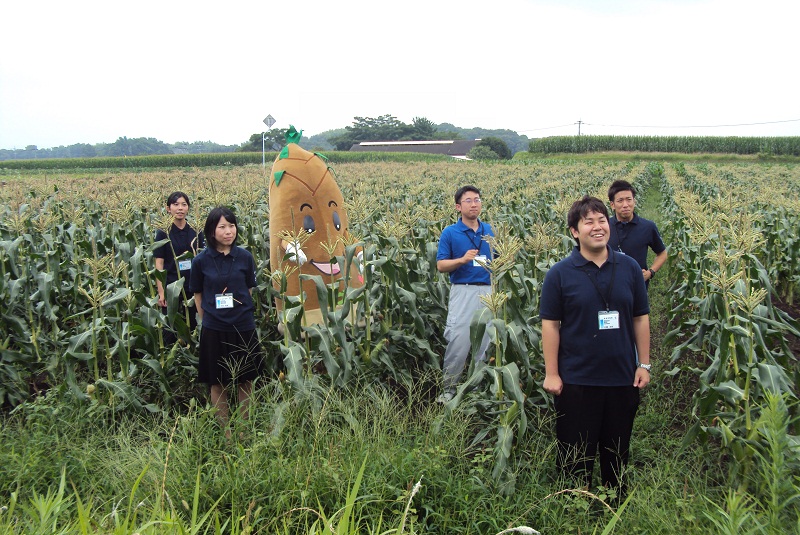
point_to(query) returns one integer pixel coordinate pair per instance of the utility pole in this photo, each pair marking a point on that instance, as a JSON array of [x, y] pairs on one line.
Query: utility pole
[[579, 126]]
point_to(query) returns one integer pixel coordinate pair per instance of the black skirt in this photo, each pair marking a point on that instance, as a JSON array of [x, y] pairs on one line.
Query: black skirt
[[229, 357]]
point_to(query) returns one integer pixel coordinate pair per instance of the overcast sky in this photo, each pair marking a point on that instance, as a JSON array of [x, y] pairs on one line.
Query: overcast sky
[[93, 71]]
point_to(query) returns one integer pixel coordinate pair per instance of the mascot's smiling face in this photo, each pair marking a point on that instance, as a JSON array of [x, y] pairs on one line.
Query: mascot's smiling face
[[304, 198], [325, 214]]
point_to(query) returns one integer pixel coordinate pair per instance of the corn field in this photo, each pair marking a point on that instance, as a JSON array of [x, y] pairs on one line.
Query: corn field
[[177, 161], [765, 146], [81, 315], [733, 233]]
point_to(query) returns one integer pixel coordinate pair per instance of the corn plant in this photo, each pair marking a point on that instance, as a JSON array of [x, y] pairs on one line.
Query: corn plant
[[725, 311]]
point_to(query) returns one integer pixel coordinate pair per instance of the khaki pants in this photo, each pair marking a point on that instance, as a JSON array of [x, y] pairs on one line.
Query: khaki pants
[[463, 305]]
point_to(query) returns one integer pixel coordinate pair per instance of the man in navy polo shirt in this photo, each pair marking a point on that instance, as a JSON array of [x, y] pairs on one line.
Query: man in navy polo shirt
[[461, 251], [633, 235], [595, 320]]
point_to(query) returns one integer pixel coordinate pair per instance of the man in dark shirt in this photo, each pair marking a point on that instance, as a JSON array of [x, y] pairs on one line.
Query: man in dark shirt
[[596, 346], [633, 235]]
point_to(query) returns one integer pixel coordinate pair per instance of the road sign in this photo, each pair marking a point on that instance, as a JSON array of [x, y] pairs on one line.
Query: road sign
[[269, 121]]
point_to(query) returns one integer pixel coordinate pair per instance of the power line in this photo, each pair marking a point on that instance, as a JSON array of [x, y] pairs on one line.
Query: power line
[[546, 128], [651, 126]]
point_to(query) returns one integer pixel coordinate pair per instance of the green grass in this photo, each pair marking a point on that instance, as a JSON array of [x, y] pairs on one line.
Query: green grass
[[297, 458]]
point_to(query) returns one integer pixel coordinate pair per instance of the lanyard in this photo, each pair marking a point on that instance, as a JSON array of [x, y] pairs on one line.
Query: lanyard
[[620, 238], [479, 236], [607, 298], [228, 274]]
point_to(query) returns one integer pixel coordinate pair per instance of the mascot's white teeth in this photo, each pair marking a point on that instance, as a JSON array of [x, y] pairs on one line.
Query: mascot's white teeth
[[328, 269]]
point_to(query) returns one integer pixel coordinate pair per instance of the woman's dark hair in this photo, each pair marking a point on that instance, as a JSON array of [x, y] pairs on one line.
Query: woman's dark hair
[[462, 190], [213, 220], [581, 208], [175, 195]]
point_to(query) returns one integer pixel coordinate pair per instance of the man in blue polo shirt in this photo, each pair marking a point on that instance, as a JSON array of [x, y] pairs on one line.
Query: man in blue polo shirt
[[461, 251], [633, 235], [595, 320]]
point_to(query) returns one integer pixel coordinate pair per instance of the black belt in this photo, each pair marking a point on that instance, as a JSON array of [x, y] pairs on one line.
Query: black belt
[[472, 283]]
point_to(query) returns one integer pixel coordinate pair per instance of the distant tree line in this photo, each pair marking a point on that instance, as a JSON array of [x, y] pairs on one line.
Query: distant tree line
[[142, 146], [490, 148], [502, 143], [514, 141], [386, 128], [383, 128]]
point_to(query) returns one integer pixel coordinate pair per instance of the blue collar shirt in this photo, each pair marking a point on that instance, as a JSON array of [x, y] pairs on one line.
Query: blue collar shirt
[[455, 241]]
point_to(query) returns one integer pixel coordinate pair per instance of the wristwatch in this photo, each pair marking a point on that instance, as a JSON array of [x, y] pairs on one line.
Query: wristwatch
[[645, 366], [652, 273]]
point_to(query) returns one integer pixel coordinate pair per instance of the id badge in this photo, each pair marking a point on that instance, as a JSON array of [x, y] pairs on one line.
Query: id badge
[[184, 265], [478, 259], [608, 319], [224, 300]]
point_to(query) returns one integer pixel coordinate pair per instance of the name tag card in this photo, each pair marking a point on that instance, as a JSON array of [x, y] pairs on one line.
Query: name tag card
[[183, 265], [224, 300], [478, 259], [608, 319]]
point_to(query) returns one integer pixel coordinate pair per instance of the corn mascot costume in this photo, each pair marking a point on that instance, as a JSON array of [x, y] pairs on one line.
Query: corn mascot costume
[[308, 226]]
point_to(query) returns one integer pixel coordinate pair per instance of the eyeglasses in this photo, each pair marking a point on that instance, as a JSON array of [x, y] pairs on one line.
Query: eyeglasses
[[476, 200]]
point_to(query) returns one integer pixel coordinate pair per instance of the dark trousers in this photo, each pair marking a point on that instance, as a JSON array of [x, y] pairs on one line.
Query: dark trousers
[[589, 418]]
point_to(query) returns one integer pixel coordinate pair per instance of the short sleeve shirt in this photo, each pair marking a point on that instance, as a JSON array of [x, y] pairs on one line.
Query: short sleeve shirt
[[574, 292], [633, 238], [216, 273], [181, 241], [455, 241]]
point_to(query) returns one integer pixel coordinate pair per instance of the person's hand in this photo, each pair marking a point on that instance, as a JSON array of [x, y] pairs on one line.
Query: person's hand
[[646, 274], [469, 256], [162, 301], [553, 384], [296, 254], [360, 263], [642, 378]]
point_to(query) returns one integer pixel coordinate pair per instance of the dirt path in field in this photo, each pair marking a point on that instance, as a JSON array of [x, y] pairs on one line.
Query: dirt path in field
[[669, 395]]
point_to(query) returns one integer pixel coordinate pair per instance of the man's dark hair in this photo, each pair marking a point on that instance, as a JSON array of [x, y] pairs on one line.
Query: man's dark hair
[[213, 220], [620, 185], [463, 189], [581, 208]]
